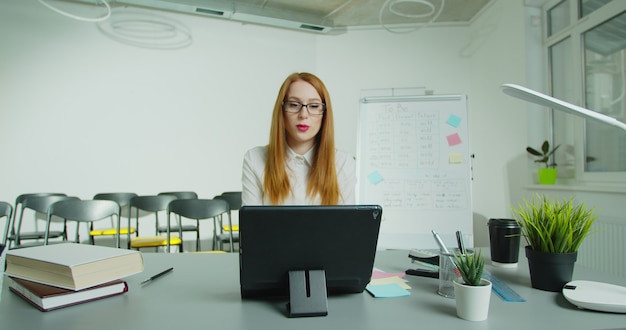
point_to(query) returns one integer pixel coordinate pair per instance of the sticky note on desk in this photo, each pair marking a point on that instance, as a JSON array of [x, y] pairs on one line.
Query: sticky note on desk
[[387, 290], [381, 274], [390, 280]]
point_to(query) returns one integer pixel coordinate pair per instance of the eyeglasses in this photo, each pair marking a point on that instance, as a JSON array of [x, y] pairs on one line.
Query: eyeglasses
[[314, 109]]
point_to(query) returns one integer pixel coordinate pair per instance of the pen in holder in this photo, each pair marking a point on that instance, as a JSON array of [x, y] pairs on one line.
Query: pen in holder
[[447, 273]]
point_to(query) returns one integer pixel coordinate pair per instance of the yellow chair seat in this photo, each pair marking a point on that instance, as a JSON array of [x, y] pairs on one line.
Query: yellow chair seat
[[110, 231], [152, 241], [211, 251], [228, 228]]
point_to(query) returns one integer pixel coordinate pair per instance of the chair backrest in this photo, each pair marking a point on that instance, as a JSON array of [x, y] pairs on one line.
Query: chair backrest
[[18, 205], [38, 204], [181, 194], [83, 211], [198, 208], [154, 203], [233, 198], [122, 199], [22, 197], [41, 204], [149, 203], [6, 210]]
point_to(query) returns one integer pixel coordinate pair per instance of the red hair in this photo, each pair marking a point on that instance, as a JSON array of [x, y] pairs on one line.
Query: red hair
[[323, 175]]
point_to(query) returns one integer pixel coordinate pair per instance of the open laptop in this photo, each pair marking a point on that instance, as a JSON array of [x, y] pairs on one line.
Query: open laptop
[[319, 249]]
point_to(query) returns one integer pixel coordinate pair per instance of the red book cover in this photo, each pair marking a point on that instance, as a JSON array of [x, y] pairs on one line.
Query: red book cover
[[47, 298]]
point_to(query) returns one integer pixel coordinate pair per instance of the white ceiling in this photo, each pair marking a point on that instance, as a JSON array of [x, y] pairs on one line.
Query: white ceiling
[[322, 16], [356, 13]]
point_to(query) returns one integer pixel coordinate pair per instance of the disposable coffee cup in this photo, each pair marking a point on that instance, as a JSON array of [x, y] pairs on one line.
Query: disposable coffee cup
[[504, 240]]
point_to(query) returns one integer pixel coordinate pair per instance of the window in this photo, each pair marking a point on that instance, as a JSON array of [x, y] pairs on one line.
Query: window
[[586, 46]]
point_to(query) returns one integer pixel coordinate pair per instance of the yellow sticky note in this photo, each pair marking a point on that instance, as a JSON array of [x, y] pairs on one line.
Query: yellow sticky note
[[390, 280], [455, 158]]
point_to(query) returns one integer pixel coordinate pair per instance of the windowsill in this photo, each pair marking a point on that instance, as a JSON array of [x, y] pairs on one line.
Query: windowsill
[[599, 188]]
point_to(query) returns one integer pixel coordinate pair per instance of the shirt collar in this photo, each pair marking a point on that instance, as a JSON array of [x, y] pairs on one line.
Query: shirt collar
[[308, 156]]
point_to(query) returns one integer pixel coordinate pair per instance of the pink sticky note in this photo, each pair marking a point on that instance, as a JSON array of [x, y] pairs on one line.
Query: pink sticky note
[[380, 274], [453, 139]]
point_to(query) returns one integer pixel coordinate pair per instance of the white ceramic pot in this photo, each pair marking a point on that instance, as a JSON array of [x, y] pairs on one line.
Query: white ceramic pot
[[472, 302]]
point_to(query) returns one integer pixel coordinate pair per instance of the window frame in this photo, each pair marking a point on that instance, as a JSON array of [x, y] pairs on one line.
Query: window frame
[[573, 125]]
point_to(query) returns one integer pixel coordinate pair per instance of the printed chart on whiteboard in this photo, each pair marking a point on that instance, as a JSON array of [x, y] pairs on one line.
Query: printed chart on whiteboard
[[413, 159]]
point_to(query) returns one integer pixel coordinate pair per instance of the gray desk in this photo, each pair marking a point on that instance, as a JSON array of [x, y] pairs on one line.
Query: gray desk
[[203, 292]]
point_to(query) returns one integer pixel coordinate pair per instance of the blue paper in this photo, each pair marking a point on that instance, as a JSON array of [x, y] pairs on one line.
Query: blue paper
[[387, 290]]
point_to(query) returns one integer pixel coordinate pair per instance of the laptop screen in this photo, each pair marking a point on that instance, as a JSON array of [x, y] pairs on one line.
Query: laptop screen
[[274, 240]]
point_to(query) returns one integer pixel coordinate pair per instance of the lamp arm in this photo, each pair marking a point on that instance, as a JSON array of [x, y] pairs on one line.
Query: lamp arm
[[532, 96]]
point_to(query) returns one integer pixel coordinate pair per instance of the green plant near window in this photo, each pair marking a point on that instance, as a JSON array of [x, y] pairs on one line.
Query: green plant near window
[[544, 154], [471, 266], [554, 226]]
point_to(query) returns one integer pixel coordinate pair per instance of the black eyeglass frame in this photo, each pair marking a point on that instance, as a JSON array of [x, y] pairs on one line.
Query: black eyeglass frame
[[302, 105]]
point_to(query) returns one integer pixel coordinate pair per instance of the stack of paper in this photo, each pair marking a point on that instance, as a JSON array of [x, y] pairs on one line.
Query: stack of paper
[[387, 285], [61, 275]]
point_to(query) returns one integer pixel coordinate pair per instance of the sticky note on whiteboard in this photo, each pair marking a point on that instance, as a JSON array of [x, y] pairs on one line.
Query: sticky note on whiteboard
[[455, 158], [453, 139], [375, 178], [454, 121]]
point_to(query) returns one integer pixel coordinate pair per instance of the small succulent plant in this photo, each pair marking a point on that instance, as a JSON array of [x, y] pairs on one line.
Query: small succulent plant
[[471, 266]]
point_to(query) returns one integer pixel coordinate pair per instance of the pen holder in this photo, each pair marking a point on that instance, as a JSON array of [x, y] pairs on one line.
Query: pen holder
[[447, 273]]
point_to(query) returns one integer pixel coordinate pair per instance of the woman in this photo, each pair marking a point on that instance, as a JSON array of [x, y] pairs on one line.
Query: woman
[[300, 166]]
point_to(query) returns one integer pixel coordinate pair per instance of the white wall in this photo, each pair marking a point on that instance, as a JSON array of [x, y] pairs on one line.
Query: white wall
[[82, 114]]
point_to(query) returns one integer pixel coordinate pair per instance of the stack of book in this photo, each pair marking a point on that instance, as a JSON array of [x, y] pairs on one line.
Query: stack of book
[[60, 275]]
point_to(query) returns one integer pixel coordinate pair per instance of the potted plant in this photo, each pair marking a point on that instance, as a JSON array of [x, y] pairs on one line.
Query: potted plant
[[471, 291], [547, 174], [553, 230]]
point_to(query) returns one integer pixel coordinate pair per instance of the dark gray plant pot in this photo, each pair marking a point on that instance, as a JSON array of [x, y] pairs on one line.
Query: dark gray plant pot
[[550, 271]]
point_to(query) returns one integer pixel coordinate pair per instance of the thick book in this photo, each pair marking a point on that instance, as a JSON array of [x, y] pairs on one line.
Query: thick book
[[73, 266], [47, 297]]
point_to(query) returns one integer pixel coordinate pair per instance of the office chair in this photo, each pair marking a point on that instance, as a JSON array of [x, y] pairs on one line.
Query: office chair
[[184, 227], [198, 209], [6, 210], [181, 194], [152, 204], [229, 232], [38, 204], [83, 211], [11, 237], [123, 200]]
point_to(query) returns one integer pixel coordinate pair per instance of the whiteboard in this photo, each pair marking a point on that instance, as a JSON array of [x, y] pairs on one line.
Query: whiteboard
[[413, 159]]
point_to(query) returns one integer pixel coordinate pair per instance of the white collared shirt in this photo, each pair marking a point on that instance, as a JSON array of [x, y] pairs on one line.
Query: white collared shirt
[[298, 168]]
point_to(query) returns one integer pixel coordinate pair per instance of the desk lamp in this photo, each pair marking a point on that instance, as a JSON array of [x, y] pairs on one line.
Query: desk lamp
[[584, 294], [532, 96]]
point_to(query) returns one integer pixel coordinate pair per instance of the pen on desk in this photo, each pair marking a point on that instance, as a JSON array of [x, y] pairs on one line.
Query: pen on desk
[[459, 240], [154, 277], [442, 246]]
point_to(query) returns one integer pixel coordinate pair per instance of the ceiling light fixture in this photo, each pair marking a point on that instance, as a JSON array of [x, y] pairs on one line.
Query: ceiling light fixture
[[146, 30], [391, 4], [430, 12], [80, 18]]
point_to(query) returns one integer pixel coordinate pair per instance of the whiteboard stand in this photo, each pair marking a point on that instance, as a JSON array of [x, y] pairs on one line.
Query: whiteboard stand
[[413, 159]]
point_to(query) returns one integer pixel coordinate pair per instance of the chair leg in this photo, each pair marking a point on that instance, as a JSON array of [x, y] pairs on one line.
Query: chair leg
[[197, 235]]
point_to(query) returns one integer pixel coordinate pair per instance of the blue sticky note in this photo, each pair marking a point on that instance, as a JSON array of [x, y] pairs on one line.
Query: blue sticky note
[[454, 120], [375, 177], [387, 290]]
